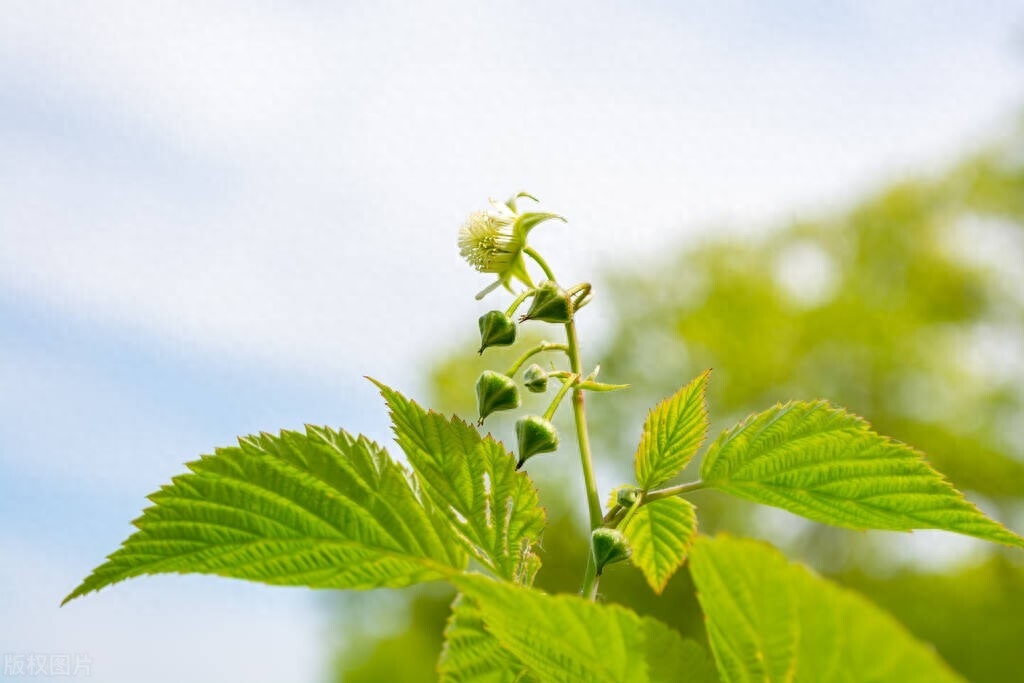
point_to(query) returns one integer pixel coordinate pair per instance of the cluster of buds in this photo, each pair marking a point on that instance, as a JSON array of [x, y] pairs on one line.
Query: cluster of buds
[[494, 241]]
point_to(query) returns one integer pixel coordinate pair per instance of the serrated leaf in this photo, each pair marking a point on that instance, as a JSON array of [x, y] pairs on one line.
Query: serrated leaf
[[471, 654], [473, 481], [826, 464], [319, 509], [660, 534], [770, 621], [673, 431], [564, 638]]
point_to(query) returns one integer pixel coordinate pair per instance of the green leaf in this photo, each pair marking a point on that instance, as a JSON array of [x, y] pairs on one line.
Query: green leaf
[[473, 481], [566, 638], [673, 431], [660, 534], [471, 654], [672, 658], [769, 620], [826, 464], [319, 509]]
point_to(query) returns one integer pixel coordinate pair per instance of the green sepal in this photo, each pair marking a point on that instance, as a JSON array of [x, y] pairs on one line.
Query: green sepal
[[517, 269], [494, 392], [550, 304], [511, 201], [496, 329], [590, 385], [526, 222], [535, 435], [609, 546], [535, 379]]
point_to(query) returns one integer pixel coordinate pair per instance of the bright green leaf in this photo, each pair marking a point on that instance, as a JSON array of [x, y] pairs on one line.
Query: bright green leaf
[[771, 621], [319, 509], [473, 480], [660, 534], [673, 431], [826, 464], [471, 654], [564, 638]]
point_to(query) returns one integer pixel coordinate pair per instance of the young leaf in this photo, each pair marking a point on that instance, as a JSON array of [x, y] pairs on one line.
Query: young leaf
[[472, 480], [566, 638], [826, 464], [471, 654], [771, 621], [673, 431], [660, 534], [319, 509]]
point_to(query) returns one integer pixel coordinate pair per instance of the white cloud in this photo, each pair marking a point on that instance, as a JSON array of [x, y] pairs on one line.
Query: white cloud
[[283, 183]]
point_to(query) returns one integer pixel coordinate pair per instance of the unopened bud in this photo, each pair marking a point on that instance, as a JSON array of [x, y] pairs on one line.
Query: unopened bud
[[609, 546], [496, 329], [535, 379], [535, 435], [625, 495], [495, 391], [550, 304]]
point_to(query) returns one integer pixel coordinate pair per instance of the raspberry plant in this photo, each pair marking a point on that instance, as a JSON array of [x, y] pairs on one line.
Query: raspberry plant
[[325, 509]]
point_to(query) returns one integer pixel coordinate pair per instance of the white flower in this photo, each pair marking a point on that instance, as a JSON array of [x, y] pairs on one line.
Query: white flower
[[492, 241], [488, 241]]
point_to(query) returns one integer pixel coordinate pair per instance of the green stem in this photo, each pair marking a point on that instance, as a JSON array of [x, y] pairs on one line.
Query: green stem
[[567, 384], [670, 491], [586, 458], [532, 253], [617, 512], [543, 346], [579, 414], [582, 435], [590, 589], [630, 512]]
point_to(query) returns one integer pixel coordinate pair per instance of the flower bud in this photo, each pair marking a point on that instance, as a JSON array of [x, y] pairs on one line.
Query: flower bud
[[495, 391], [535, 378], [625, 495], [535, 435], [550, 304], [609, 546], [496, 329]]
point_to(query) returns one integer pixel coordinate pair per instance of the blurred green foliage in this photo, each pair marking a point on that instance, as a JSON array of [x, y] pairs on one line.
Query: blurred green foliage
[[907, 309]]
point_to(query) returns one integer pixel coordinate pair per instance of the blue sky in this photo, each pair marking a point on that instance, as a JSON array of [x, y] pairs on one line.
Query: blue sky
[[216, 217]]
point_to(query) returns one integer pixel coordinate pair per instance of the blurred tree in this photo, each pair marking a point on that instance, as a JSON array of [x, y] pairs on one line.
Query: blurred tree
[[908, 309]]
